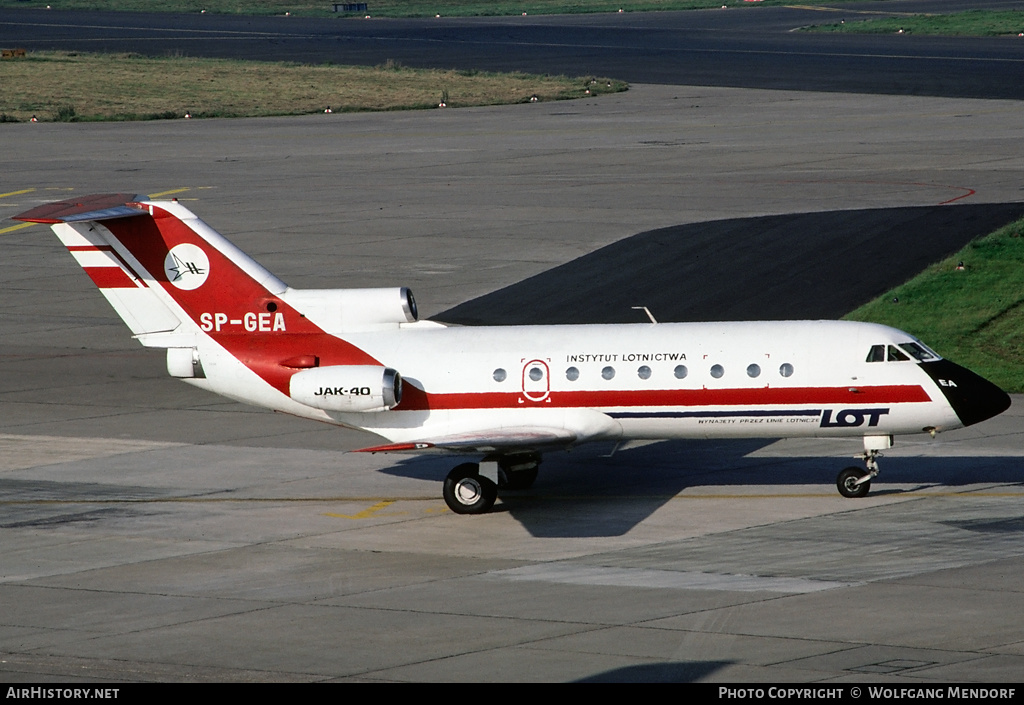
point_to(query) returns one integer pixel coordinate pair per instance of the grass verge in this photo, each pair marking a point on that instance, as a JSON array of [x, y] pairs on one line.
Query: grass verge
[[973, 23], [392, 8], [974, 315], [69, 86]]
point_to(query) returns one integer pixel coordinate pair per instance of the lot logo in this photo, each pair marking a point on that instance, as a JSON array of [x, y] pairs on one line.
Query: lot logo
[[851, 417], [186, 266]]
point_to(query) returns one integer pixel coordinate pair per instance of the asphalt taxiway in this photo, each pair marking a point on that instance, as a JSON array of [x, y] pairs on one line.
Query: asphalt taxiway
[[737, 46], [152, 532]]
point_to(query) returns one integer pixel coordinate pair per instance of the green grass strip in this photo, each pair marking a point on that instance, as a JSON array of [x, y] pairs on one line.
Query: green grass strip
[[973, 23], [68, 86], [974, 315]]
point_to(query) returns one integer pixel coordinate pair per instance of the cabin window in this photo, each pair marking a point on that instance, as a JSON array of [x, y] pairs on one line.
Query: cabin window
[[536, 374], [717, 371], [572, 374], [608, 372], [786, 369], [753, 370], [499, 375], [895, 355], [876, 354], [919, 352], [680, 371], [643, 372]]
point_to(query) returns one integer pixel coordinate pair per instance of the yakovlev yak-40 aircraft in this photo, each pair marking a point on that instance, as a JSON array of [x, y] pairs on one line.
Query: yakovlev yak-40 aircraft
[[360, 358]]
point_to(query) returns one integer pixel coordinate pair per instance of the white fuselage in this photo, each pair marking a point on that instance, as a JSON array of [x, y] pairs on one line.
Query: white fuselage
[[668, 380]]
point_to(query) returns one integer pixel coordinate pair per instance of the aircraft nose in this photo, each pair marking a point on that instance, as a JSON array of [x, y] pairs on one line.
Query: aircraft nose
[[972, 397]]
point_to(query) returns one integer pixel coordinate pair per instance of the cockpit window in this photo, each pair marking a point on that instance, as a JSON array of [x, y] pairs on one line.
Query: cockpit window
[[895, 355], [919, 352]]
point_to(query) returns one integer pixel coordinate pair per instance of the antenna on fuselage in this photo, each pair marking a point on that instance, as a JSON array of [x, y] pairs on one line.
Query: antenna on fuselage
[[645, 310]]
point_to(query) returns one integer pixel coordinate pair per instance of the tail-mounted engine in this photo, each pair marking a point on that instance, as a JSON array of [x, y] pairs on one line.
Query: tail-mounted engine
[[341, 310], [359, 388]]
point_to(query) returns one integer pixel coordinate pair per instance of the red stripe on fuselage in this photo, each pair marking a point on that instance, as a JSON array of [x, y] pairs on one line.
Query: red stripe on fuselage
[[415, 399], [238, 299]]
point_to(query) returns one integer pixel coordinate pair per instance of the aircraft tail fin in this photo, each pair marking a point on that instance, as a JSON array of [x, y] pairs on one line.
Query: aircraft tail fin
[[181, 285], [150, 260]]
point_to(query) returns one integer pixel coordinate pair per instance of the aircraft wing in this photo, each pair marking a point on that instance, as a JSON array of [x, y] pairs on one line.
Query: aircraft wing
[[486, 441]]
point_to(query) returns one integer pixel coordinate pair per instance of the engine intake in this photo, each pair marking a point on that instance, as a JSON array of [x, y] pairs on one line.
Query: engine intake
[[359, 388]]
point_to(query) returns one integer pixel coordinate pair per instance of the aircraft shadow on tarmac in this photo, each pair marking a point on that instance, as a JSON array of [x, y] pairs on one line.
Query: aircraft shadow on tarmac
[[679, 672], [585, 493]]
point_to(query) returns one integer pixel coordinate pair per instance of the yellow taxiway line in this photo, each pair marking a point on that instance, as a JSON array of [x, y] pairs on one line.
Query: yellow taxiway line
[[170, 192], [16, 193], [16, 227]]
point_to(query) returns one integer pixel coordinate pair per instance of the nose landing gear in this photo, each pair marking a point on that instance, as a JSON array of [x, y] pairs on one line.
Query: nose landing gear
[[853, 482]]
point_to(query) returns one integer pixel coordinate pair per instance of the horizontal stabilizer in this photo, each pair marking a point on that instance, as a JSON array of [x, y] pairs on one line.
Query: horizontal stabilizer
[[107, 206]]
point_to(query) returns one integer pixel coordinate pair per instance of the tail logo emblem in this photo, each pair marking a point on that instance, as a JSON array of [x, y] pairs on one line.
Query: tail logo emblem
[[186, 266]]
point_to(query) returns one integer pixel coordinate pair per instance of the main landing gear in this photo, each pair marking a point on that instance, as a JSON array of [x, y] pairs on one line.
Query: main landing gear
[[472, 488], [854, 482]]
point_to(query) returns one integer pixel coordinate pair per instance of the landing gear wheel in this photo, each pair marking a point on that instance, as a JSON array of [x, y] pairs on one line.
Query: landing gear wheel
[[465, 492], [517, 480], [847, 482]]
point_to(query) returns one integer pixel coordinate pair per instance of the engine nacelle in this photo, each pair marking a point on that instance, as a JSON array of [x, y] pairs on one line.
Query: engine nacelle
[[359, 388], [354, 309]]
